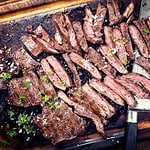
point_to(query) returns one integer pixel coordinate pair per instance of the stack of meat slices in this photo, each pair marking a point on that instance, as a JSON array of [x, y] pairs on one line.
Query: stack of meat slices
[[57, 85]]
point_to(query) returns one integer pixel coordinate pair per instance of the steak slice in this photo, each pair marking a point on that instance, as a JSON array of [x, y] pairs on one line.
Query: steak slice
[[140, 79], [127, 40], [113, 10], [119, 43], [112, 59], [3, 85], [105, 90], [59, 70], [134, 88], [148, 22], [88, 27], [55, 80], [100, 61], [24, 60], [142, 26], [59, 124], [120, 90], [24, 91], [97, 102], [71, 32], [129, 10], [76, 77], [138, 40], [80, 35], [85, 64], [108, 32], [83, 111], [32, 44], [143, 62]]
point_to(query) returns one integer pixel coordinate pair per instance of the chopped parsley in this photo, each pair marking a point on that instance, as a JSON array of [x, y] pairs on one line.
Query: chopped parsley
[[6, 76], [10, 113], [12, 132], [46, 79], [26, 84], [79, 94], [4, 144], [23, 119], [147, 31], [80, 62]]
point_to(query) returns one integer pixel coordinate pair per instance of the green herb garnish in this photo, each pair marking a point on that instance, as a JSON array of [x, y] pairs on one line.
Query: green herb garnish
[[11, 113], [80, 62], [29, 128], [55, 98], [23, 119], [22, 97], [19, 102], [26, 84], [12, 132], [79, 94], [45, 98], [46, 79], [147, 31], [4, 144], [6, 76]]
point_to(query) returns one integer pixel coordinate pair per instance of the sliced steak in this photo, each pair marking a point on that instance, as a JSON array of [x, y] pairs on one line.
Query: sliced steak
[[138, 78], [127, 40], [71, 32], [76, 78], [55, 80], [120, 90], [143, 62], [113, 10], [59, 124], [100, 107], [105, 90], [112, 59], [138, 40], [32, 44], [100, 61], [85, 64], [129, 10], [80, 35], [59, 70], [99, 20], [24, 91], [108, 36], [148, 22], [142, 27], [119, 43], [88, 27], [83, 111], [134, 88], [24, 60], [3, 85]]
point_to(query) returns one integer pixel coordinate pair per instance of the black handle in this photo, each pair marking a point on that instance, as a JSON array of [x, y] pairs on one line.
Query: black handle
[[131, 136]]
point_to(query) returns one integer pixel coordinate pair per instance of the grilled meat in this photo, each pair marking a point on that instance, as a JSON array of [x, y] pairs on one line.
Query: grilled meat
[[99, 20], [140, 79], [24, 91], [73, 69], [3, 85], [112, 59], [85, 64], [59, 124], [148, 22], [108, 36], [103, 89], [88, 27], [24, 60], [143, 62], [55, 80], [142, 27], [113, 10], [129, 10], [134, 88], [32, 44], [72, 35], [59, 70], [80, 35], [99, 61], [138, 40], [119, 43], [120, 90], [83, 111], [100, 106], [127, 40]]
